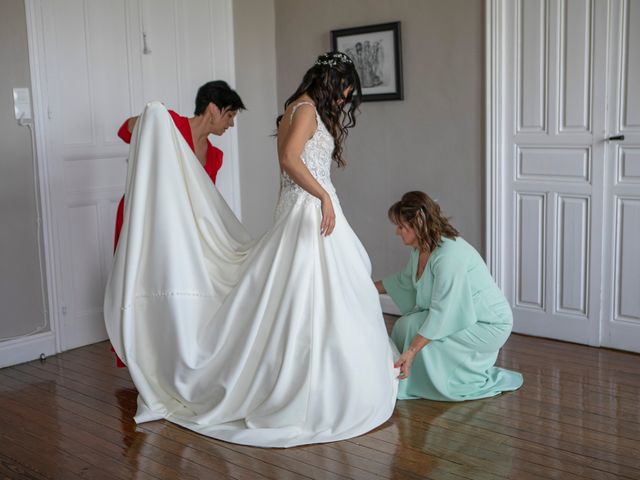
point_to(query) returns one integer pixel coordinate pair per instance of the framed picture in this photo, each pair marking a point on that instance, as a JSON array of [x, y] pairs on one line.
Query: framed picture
[[376, 53]]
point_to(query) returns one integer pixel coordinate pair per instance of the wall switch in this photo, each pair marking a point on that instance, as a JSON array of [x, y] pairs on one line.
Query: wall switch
[[22, 103]]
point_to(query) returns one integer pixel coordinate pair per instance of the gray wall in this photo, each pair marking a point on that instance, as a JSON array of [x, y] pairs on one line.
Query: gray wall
[[255, 50], [431, 141], [20, 288]]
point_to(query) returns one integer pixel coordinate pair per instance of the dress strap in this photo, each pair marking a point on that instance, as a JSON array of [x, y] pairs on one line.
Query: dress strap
[[295, 107]]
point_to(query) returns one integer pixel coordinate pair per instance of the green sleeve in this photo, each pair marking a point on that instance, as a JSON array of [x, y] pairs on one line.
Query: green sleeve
[[400, 288], [451, 308]]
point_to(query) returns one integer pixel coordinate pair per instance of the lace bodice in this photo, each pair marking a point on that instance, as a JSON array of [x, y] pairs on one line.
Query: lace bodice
[[316, 155]]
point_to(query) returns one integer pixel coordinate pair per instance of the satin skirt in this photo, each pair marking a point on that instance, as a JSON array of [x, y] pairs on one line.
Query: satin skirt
[[273, 342]]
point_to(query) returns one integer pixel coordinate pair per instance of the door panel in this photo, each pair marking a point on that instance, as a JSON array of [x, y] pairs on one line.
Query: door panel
[[629, 68], [627, 300], [531, 245], [576, 35], [573, 232], [532, 61], [87, 80]]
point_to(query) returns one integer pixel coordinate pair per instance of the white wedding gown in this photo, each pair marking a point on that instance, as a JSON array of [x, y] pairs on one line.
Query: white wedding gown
[[273, 343]]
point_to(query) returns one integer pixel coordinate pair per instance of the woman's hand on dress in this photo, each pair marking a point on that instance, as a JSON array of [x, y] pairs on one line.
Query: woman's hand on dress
[[328, 216], [406, 359], [404, 363]]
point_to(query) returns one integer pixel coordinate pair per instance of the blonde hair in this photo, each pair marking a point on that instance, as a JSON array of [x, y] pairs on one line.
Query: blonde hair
[[418, 211]]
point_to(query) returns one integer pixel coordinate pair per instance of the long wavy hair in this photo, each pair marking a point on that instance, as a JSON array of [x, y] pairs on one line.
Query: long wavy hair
[[325, 83], [418, 211]]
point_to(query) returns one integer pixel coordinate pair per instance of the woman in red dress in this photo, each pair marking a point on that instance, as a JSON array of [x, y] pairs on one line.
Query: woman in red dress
[[216, 108]]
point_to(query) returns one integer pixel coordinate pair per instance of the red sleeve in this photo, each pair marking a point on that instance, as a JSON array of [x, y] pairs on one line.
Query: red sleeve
[[124, 132]]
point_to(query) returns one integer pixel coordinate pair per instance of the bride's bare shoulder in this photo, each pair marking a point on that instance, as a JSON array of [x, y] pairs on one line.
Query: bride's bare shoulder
[[299, 115]]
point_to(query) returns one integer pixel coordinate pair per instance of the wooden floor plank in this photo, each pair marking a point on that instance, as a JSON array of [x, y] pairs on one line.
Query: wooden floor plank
[[532, 456], [576, 417], [120, 431]]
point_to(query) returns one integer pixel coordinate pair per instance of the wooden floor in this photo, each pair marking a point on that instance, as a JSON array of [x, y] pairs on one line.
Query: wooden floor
[[577, 417]]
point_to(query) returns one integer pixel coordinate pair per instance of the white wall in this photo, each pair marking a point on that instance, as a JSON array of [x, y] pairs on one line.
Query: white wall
[[431, 141], [20, 287], [255, 51]]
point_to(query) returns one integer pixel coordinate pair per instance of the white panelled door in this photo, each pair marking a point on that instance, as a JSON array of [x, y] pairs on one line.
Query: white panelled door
[[96, 64], [568, 196], [621, 286]]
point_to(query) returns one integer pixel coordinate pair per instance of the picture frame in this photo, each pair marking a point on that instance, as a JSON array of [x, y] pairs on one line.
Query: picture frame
[[377, 54]]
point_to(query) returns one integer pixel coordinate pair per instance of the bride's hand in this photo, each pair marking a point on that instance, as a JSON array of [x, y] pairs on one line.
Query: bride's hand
[[328, 216]]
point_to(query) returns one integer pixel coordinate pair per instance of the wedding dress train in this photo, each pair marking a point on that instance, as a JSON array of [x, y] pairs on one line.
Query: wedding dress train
[[272, 342]]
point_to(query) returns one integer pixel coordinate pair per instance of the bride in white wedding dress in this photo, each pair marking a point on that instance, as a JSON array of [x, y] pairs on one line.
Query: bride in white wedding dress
[[272, 342]]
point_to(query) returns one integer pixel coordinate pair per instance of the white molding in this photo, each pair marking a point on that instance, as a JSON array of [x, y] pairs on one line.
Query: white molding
[[27, 348], [235, 181], [388, 306], [37, 70], [234, 201], [606, 335], [493, 120], [223, 27]]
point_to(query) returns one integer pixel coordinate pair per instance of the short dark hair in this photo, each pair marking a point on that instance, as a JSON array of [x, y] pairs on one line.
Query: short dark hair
[[220, 93]]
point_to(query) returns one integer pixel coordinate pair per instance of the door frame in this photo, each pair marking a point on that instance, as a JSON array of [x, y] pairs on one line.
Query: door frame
[[494, 153]]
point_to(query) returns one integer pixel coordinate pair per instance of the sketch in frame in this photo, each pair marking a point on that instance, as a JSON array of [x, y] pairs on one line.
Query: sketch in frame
[[376, 53]]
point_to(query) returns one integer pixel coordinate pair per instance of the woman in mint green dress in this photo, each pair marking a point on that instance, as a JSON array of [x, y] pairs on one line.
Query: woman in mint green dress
[[455, 318]]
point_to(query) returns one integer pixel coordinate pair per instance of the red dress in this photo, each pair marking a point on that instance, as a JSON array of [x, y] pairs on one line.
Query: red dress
[[211, 166]]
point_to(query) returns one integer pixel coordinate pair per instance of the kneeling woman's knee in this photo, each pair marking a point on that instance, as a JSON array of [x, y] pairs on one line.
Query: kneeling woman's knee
[[406, 328]]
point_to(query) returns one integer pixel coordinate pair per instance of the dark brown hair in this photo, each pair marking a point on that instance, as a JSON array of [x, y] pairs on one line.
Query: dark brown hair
[[418, 211], [332, 73], [218, 92]]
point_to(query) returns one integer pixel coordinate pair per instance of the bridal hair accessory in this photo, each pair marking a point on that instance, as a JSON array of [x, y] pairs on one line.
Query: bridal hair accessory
[[333, 58]]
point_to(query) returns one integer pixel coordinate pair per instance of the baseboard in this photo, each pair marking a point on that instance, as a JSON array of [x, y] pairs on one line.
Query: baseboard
[[85, 330], [25, 349], [388, 306]]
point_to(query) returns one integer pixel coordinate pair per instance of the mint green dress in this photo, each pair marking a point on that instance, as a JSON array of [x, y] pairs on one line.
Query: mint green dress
[[459, 308]]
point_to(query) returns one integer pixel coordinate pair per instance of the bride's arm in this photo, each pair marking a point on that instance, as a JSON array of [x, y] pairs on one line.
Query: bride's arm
[[291, 141]]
